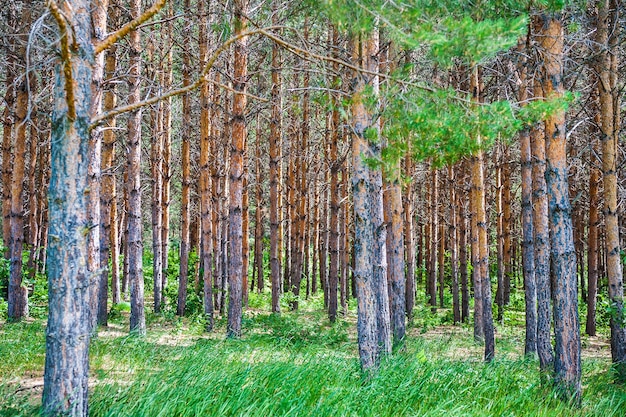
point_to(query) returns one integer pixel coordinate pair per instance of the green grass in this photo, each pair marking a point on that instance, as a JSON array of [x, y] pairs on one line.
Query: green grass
[[298, 364]]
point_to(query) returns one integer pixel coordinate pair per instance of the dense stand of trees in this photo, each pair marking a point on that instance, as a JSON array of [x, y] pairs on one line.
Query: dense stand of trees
[[356, 154]]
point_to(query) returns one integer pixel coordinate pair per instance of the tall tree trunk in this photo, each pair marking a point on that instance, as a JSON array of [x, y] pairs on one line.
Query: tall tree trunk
[[135, 243], [206, 252], [18, 291], [99, 285], [592, 241], [433, 239], [566, 325], [109, 239], [67, 333], [479, 211], [185, 210], [452, 232], [275, 144], [166, 175], [373, 328], [462, 239], [409, 239], [499, 235], [237, 149], [609, 93], [528, 245], [541, 236], [334, 198], [7, 144], [258, 227]]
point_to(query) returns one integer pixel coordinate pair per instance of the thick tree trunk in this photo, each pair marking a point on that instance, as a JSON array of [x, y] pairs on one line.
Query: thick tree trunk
[[135, 243], [369, 239], [566, 325], [237, 149], [67, 332]]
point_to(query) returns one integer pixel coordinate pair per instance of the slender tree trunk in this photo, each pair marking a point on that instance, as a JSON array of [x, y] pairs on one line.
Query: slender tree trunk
[[499, 236], [452, 232], [528, 245], [479, 211], [541, 238], [567, 332], [99, 285], [608, 92], [258, 226], [7, 144], [275, 143], [166, 175], [334, 224], [462, 239], [109, 239], [18, 291], [409, 240], [185, 210], [432, 241], [592, 241], [135, 244], [237, 149]]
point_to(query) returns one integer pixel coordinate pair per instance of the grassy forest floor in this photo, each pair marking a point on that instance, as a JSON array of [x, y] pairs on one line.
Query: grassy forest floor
[[298, 364]]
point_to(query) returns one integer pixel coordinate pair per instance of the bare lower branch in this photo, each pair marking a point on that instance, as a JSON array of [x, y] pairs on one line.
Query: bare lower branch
[[65, 58], [129, 27]]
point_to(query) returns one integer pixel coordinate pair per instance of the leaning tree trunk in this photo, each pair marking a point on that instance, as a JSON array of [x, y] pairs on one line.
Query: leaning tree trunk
[[67, 333], [566, 327]]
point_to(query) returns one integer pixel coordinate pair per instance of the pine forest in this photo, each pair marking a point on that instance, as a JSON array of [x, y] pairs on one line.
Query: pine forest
[[312, 208]]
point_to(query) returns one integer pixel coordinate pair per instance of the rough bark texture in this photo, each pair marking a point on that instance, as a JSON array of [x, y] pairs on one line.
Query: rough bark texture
[[456, 307], [528, 247], [369, 237], [541, 237], [98, 284], [109, 239], [275, 143], [135, 243], [566, 324], [18, 292], [432, 241], [67, 333], [235, 217], [185, 248], [608, 92], [480, 213], [409, 240]]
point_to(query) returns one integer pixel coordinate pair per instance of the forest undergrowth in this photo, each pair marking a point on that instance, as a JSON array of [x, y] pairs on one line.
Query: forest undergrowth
[[298, 364]]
